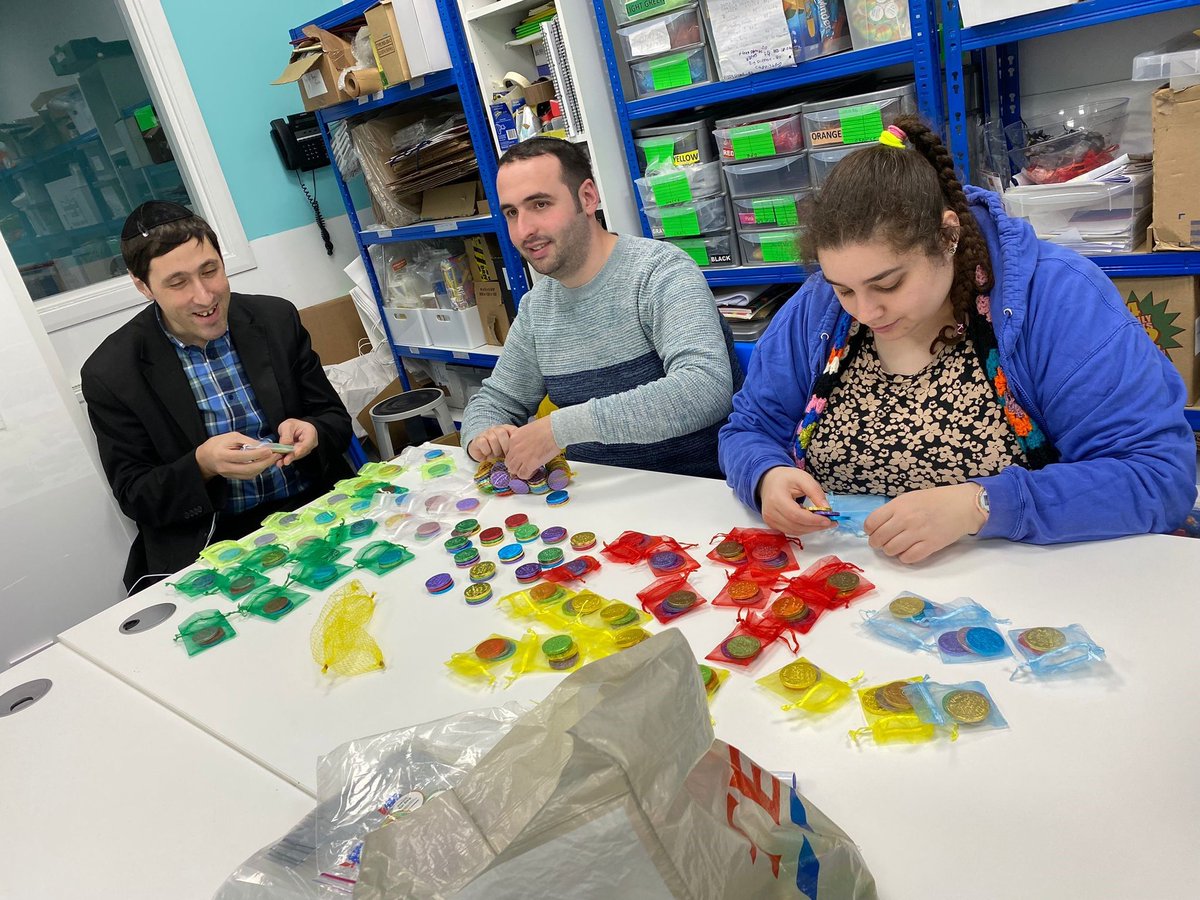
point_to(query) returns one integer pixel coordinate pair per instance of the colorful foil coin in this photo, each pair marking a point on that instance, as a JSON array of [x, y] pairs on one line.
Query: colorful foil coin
[[456, 544], [528, 572], [557, 480], [741, 646], [789, 608], [477, 593], [489, 537], [484, 571], [272, 558], [907, 607], [983, 641], [439, 583], [731, 551], [799, 675], [666, 561], [361, 527], [615, 615], [526, 533], [427, 530], [630, 637], [390, 558], [1042, 640], [499, 479], [557, 498], [949, 644], [515, 521], [434, 454], [708, 675], [510, 553], [576, 567], [464, 559], [678, 601], [276, 605], [583, 540], [966, 706], [206, 637], [545, 592], [518, 486], [466, 527], [550, 557], [495, 649], [467, 504], [892, 697], [843, 582], [555, 534], [744, 592]]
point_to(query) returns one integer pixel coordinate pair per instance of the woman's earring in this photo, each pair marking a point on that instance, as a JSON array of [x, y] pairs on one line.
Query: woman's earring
[[953, 248], [959, 329]]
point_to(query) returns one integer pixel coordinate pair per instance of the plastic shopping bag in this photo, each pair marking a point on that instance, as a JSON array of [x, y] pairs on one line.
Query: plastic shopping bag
[[583, 780]]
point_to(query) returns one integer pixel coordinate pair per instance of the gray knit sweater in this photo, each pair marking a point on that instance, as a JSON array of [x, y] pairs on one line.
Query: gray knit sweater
[[638, 361]]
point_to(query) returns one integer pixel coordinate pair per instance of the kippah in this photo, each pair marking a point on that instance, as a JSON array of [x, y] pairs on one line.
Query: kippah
[[151, 214]]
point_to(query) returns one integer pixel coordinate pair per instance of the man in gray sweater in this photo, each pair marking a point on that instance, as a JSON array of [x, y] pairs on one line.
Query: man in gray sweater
[[622, 334]]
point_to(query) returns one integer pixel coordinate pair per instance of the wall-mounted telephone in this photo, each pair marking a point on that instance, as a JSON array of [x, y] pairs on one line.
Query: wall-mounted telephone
[[298, 142], [301, 149]]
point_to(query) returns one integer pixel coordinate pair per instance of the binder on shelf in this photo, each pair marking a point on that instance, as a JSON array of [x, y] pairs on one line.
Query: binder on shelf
[[560, 74]]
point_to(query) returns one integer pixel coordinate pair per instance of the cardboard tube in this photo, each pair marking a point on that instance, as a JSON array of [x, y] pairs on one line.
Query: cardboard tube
[[363, 81]]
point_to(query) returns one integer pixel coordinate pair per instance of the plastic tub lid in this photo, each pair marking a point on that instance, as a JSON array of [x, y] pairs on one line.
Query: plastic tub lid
[[677, 128], [1178, 59], [766, 164], [892, 93], [754, 118]]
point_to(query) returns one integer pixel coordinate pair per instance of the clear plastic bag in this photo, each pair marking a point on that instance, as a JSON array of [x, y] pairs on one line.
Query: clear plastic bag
[[1054, 651]]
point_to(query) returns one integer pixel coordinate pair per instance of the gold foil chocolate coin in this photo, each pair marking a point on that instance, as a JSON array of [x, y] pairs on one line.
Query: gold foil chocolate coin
[[799, 675], [892, 696], [1043, 640], [968, 707], [906, 607], [843, 582]]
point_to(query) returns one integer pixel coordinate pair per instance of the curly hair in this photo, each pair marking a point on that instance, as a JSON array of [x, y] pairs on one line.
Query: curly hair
[[899, 196]]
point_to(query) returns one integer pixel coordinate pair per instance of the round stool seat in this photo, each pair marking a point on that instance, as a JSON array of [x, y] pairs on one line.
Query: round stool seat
[[408, 404]]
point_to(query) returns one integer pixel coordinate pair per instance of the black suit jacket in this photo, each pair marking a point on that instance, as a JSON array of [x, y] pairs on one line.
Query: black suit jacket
[[148, 425]]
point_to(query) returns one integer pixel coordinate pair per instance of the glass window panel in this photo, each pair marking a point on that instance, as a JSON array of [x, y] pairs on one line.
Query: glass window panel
[[80, 142]]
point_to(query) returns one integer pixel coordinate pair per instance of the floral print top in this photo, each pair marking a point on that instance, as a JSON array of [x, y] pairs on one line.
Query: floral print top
[[888, 434]]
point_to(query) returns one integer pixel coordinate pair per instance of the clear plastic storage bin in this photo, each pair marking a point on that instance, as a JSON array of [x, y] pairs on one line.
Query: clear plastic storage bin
[[765, 176], [1178, 60], [689, 219], [771, 132], [1094, 209], [770, 211], [856, 120], [681, 185], [776, 247], [627, 11], [821, 162], [671, 72], [682, 144], [710, 251], [652, 37], [877, 22], [1058, 146]]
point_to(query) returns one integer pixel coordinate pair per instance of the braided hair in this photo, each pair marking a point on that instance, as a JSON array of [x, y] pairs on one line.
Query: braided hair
[[899, 195]]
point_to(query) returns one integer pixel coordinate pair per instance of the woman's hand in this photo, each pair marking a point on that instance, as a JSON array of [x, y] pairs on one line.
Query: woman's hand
[[782, 492], [918, 524]]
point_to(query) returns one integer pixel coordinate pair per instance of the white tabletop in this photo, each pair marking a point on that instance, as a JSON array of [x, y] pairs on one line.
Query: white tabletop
[[105, 794], [1091, 792]]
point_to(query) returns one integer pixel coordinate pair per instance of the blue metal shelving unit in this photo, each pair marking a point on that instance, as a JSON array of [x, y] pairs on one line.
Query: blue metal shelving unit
[[460, 78], [921, 52], [1005, 36]]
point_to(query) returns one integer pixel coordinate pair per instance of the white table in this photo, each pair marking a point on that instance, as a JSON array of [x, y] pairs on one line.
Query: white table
[[1091, 792], [105, 794]]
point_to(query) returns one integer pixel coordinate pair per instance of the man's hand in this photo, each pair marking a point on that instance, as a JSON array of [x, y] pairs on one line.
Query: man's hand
[[302, 435], [531, 446], [918, 524], [781, 493], [223, 455], [491, 444]]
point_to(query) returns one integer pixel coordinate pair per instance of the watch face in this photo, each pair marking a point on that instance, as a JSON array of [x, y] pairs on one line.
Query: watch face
[[984, 503]]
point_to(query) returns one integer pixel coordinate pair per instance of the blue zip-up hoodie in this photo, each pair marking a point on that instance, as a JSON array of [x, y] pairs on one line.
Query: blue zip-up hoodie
[[1077, 362]]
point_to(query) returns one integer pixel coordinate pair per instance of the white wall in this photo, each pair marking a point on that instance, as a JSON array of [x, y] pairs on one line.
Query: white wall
[[64, 542], [1095, 63], [291, 264], [31, 31]]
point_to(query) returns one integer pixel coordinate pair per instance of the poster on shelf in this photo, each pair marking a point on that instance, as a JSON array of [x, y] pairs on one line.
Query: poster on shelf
[[749, 36]]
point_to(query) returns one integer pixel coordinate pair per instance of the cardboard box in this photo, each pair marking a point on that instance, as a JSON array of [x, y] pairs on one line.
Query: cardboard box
[[387, 44], [420, 27], [489, 298], [483, 256], [1175, 116], [1169, 310], [454, 201], [317, 68], [978, 12], [335, 329]]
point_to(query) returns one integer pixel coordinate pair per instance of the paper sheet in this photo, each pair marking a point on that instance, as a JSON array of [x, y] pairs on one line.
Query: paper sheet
[[749, 36]]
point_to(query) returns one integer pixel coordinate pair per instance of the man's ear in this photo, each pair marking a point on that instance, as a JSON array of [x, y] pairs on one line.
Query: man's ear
[[143, 288], [589, 197]]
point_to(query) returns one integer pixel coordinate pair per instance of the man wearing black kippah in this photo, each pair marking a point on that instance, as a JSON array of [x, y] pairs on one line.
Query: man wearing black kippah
[[186, 397]]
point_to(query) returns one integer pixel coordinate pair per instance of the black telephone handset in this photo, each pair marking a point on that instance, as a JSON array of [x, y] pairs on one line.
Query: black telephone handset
[[298, 142], [301, 149]]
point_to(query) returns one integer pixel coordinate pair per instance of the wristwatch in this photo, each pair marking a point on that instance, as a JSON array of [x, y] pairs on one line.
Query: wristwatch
[[984, 505]]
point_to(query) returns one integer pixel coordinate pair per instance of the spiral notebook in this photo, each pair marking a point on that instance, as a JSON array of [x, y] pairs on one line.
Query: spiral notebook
[[561, 75]]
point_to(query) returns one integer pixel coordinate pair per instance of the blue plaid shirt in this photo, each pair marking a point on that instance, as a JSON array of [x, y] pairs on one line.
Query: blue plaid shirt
[[227, 403]]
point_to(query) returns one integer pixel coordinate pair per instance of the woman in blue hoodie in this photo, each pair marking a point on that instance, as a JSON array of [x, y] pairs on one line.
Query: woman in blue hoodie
[[989, 382]]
